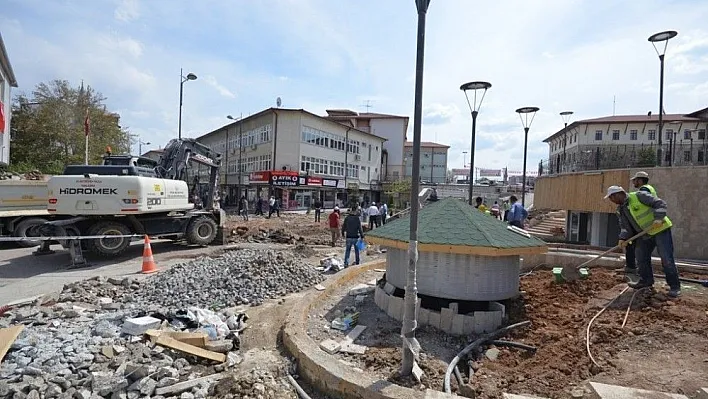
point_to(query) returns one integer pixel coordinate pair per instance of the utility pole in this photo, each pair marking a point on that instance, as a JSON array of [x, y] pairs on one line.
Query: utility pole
[[411, 346]]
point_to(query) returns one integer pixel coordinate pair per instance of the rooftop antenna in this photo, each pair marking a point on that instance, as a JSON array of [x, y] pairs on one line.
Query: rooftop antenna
[[367, 105], [614, 104], [278, 102]]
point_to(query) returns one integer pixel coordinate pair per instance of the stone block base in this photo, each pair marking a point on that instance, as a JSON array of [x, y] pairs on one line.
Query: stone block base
[[447, 319]]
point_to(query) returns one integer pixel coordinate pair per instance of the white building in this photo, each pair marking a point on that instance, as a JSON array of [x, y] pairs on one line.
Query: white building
[[433, 162], [7, 81], [391, 127], [297, 156], [616, 141]]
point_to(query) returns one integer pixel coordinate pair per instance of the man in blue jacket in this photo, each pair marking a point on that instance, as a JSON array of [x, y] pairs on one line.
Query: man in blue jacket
[[517, 213]]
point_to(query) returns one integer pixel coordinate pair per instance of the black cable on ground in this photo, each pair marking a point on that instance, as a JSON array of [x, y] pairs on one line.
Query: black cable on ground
[[518, 345], [483, 339]]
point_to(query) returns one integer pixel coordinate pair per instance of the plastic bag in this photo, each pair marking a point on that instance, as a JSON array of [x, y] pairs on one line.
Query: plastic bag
[[360, 245]]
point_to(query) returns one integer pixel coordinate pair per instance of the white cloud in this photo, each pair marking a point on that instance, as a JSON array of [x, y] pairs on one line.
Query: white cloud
[[127, 10], [211, 81]]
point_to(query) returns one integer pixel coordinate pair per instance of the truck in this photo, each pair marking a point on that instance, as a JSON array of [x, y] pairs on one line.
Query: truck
[[126, 196], [23, 206]]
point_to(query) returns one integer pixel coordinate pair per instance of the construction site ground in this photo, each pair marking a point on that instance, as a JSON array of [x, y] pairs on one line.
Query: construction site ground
[[662, 346]]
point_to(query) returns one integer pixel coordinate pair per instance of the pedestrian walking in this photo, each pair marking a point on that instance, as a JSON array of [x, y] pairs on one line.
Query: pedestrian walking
[[506, 207], [273, 205], [517, 214], [373, 216], [318, 210], [259, 207], [384, 213], [334, 225], [639, 211], [496, 212], [352, 232], [244, 208]]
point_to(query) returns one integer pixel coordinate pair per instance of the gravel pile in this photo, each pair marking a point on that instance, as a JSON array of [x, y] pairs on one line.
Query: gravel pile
[[245, 276]]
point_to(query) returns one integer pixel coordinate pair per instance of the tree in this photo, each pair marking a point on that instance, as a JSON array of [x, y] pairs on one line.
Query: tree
[[397, 190], [47, 128], [646, 157]]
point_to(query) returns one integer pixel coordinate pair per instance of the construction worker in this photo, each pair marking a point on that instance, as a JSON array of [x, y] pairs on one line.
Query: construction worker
[[479, 205], [637, 212], [640, 181]]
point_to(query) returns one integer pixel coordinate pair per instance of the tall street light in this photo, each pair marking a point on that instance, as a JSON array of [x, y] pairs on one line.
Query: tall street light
[[410, 343], [654, 39], [240, 152], [524, 114], [565, 115], [464, 159], [190, 76], [474, 87], [140, 146]]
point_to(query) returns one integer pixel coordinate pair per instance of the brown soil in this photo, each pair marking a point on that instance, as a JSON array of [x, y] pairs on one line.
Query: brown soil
[[287, 229], [662, 347]]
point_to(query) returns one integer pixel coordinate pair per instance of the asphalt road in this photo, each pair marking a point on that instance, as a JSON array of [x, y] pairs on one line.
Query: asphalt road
[[24, 275]]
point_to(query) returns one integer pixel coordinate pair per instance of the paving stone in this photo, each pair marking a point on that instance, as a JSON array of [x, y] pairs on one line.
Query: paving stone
[[446, 315], [354, 333], [434, 319], [515, 396], [353, 349], [423, 317], [395, 307], [605, 391], [458, 324], [139, 325], [468, 324], [361, 289], [702, 393], [389, 288], [455, 307], [330, 346]]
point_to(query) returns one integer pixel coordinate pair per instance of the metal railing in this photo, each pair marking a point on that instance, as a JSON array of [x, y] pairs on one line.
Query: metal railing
[[682, 153]]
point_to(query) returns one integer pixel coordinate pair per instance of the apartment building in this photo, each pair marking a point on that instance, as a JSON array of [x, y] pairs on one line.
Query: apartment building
[[7, 81], [433, 161], [298, 157], [391, 127], [616, 141]]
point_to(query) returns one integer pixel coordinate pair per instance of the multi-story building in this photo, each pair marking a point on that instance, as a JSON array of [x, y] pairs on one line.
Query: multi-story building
[[298, 157], [433, 162], [620, 141], [7, 81], [391, 127]]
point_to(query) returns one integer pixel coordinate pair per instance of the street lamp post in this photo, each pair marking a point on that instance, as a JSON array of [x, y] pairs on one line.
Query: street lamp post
[[474, 87], [524, 116], [464, 159], [410, 345], [565, 115], [140, 146], [240, 152], [190, 76], [658, 38]]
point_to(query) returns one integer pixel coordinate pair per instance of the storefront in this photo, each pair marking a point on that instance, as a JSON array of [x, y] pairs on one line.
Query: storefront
[[294, 190]]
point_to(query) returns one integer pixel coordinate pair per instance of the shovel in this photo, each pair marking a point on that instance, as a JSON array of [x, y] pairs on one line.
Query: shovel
[[571, 273]]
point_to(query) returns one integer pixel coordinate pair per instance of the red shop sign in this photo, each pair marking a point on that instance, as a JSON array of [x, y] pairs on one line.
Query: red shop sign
[[314, 181], [259, 177]]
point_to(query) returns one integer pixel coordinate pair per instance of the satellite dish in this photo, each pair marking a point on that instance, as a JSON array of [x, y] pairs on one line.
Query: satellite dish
[[278, 102]]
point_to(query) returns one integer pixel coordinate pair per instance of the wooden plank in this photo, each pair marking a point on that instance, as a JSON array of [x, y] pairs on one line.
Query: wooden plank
[[192, 338], [582, 192], [187, 385], [8, 337], [170, 342]]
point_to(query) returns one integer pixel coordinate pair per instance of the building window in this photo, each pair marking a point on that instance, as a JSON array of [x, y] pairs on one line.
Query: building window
[[353, 171], [315, 166], [702, 134], [320, 138], [652, 135], [687, 134], [615, 135], [598, 135], [336, 168], [669, 134], [633, 135]]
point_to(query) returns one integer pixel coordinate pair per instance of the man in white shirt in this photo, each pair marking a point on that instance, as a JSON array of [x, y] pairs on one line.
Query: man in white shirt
[[373, 216]]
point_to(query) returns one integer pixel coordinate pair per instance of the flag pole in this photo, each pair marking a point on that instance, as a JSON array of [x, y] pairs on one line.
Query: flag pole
[[87, 128]]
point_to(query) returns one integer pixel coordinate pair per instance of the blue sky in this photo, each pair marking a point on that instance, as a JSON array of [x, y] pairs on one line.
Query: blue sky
[[318, 54]]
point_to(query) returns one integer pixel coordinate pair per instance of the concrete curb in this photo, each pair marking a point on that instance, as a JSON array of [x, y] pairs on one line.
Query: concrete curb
[[325, 371]]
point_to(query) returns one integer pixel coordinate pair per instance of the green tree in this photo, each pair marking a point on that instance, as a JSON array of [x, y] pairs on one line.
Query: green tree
[[47, 128], [398, 191], [646, 157]]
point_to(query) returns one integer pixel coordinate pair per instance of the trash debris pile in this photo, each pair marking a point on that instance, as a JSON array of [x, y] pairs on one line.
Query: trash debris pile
[[31, 175]]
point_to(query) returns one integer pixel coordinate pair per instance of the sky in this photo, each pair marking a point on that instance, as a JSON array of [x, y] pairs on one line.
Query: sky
[[585, 56]]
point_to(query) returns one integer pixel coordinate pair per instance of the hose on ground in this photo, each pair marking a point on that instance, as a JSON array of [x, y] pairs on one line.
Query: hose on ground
[[301, 392], [587, 331], [458, 376], [484, 338], [512, 344]]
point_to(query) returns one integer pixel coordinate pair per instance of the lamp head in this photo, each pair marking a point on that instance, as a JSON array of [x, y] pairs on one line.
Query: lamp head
[[662, 36], [191, 76], [475, 86]]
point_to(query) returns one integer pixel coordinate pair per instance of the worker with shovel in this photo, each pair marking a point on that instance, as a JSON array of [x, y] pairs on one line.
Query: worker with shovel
[[640, 181], [639, 211]]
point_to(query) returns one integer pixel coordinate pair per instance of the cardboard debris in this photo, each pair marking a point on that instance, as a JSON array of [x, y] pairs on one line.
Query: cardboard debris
[[192, 338], [169, 342], [8, 337]]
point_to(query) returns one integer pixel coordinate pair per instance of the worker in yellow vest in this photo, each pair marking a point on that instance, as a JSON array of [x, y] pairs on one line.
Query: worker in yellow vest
[[640, 181], [639, 211]]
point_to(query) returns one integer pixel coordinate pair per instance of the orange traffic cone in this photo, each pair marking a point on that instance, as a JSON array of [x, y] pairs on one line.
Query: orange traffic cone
[[149, 265]]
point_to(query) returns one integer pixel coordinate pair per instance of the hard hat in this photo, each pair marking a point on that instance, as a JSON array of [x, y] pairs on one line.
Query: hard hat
[[614, 190], [640, 174]]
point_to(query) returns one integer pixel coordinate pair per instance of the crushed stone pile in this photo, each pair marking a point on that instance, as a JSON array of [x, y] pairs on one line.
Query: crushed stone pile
[[31, 175]]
